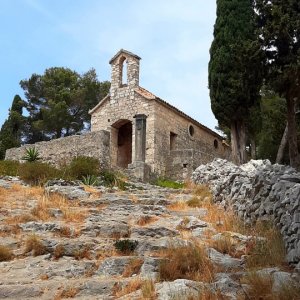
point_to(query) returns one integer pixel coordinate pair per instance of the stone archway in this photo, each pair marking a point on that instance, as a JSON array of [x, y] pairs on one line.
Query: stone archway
[[121, 142]]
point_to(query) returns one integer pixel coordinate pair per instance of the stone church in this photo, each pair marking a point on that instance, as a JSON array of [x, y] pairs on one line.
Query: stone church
[[133, 129], [147, 134]]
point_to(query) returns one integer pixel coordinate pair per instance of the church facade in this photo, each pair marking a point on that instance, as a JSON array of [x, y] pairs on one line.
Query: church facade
[[147, 134]]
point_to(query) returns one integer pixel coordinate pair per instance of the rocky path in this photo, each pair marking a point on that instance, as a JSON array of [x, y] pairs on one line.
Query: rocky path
[[64, 246]]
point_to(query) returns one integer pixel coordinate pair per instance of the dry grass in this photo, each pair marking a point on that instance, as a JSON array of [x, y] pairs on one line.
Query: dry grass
[[132, 286], [269, 252], [178, 206], [44, 277], [67, 292], [260, 286], [148, 290], [65, 231], [59, 251], [20, 219], [5, 253], [224, 245], [101, 255], [70, 210], [144, 220], [82, 253], [187, 262], [35, 245], [133, 267], [94, 192]]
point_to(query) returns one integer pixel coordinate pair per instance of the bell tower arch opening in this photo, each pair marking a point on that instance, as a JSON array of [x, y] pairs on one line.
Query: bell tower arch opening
[[121, 143], [123, 79]]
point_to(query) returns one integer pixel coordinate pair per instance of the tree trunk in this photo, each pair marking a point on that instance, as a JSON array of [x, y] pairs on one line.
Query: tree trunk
[[238, 142], [282, 146], [253, 148], [292, 133]]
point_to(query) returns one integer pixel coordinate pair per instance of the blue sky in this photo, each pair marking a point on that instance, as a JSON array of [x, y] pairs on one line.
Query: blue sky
[[172, 37]]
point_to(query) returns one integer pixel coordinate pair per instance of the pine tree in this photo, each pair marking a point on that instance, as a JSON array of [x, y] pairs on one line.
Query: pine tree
[[235, 70], [280, 37], [11, 130]]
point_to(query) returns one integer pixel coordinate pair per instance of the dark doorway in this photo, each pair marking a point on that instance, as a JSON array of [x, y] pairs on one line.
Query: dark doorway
[[124, 152]]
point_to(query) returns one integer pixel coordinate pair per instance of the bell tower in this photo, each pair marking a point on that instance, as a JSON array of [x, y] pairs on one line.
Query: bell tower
[[125, 68]]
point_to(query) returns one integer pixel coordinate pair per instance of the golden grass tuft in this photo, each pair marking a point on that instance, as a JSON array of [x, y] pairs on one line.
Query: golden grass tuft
[[133, 267], [5, 253], [34, 244], [67, 292], [148, 290], [59, 251], [82, 253], [20, 219], [178, 206], [260, 286], [70, 209], [186, 262], [269, 252], [144, 220], [132, 286]]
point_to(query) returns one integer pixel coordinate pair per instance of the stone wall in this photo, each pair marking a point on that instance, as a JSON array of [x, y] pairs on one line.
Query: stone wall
[[61, 151], [177, 151], [124, 106], [258, 191]]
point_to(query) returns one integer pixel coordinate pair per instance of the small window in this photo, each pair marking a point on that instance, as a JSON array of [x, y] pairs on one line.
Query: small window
[[216, 144], [173, 137], [191, 130]]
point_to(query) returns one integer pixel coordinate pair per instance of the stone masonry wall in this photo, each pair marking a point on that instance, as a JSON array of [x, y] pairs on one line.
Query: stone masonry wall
[[187, 151], [124, 106], [258, 191], [61, 151]]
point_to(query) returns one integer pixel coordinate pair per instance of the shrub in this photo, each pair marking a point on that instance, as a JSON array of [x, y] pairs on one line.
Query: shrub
[[31, 155], [5, 253], [37, 173], [9, 167], [126, 246], [34, 244], [90, 180], [111, 179], [167, 183], [186, 262], [83, 166]]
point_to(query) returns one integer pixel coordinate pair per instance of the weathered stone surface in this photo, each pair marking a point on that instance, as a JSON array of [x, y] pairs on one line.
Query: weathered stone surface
[[114, 265], [178, 289], [224, 260], [70, 192], [258, 191], [63, 150]]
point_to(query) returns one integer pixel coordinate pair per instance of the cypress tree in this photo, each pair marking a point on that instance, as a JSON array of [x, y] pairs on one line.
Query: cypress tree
[[235, 70], [11, 130], [280, 37]]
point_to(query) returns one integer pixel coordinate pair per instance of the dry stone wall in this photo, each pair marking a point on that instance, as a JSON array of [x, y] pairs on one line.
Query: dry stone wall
[[61, 151], [258, 190]]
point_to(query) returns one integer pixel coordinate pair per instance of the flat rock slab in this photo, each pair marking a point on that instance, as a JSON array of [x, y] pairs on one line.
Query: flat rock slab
[[70, 192], [114, 265]]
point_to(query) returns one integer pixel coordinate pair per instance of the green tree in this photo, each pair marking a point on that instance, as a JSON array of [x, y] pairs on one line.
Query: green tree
[[235, 70], [58, 102], [280, 37], [11, 130], [273, 112]]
